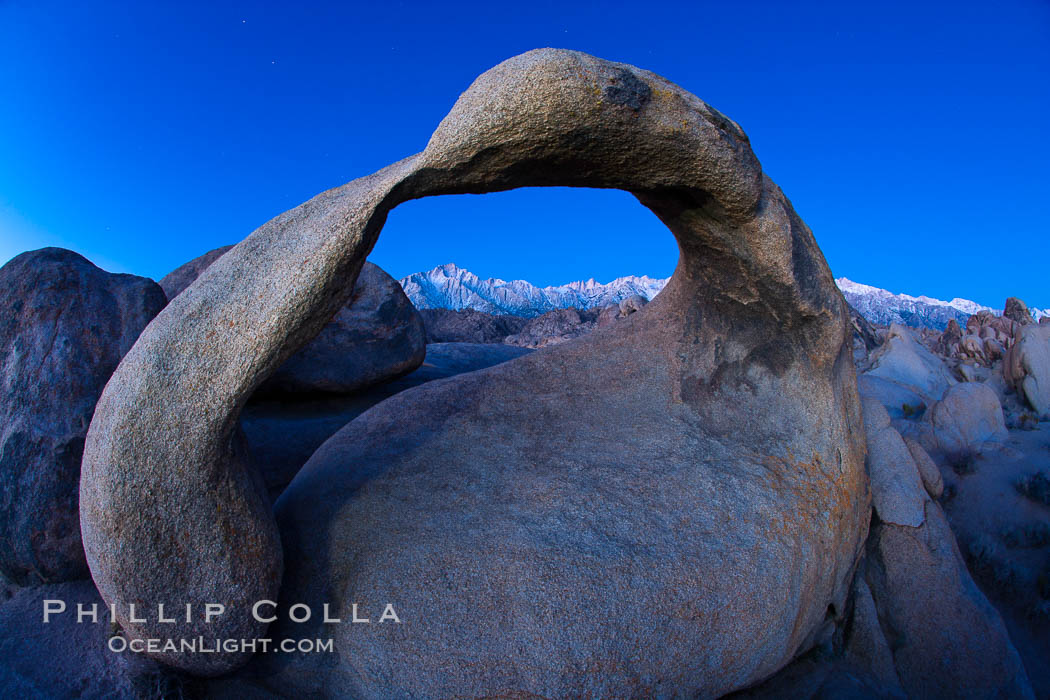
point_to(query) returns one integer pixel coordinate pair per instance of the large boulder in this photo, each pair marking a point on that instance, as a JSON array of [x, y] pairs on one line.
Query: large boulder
[[1026, 366], [1017, 311], [946, 639], [468, 326], [183, 276], [903, 360], [897, 493], [376, 336], [674, 504], [282, 433], [966, 419], [614, 312], [64, 325], [928, 469]]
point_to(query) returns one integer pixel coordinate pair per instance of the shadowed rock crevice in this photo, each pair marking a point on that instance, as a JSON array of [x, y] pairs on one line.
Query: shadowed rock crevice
[[571, 522]]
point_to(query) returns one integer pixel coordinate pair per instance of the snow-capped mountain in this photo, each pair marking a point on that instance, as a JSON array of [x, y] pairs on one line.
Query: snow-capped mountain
[[451, 287], [882, 307]]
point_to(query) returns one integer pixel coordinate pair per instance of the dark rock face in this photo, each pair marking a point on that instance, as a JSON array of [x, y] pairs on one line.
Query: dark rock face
[[816, 677], [1017, 311], [376, 336], [283, 432], [183, 276], [865, 332], [468, 326], [678, 499], [67, 659], [949, 339], [555, 327], [64, 325]]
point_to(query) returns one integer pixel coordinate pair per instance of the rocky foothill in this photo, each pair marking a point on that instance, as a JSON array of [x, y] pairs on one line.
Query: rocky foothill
[[699, 495]]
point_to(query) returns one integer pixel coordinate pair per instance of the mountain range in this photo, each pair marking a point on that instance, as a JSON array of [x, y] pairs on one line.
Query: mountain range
[[451, 287]]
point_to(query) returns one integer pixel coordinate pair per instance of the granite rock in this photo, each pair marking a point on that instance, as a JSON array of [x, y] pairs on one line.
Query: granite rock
[[376, 336], [966, 419], [64, 325], [1026, 366], [678, 499], [468, 326]]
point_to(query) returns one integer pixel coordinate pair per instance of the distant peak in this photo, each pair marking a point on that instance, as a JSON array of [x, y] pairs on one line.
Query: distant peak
[[449, 286], [452, 287]]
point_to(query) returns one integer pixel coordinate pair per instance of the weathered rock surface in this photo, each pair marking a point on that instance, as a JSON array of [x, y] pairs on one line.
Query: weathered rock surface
[[1017, 311], [866, 644], [468, 326], [63, 658], [903, 360], [864, 331], [614, 312], [968, 417], [1026, 366], [896, 488], [678, 499], [984, 341], [856, 663], [936, 622], [183, 276], [555, 327], [376, 336], [947, 639], [64, 325], [928, 469]]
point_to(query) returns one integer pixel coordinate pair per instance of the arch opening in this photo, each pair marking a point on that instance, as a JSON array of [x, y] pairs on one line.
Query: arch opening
[[727, 384]]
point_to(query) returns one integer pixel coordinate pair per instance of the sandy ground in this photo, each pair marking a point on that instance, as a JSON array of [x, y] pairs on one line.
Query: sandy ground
[[1006, 539]]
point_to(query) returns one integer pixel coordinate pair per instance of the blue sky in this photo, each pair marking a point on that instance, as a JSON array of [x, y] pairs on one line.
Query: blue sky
[[913, 138]]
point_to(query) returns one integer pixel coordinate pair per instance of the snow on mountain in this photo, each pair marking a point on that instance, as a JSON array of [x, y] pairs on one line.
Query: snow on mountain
[[452, 287], [883, 307]]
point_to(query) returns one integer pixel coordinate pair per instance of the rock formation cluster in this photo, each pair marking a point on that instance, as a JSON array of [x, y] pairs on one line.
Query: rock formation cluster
[[797, 471], [739, 487]]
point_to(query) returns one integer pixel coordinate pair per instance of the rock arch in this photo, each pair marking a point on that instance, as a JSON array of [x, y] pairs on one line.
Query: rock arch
[[684, 492]]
